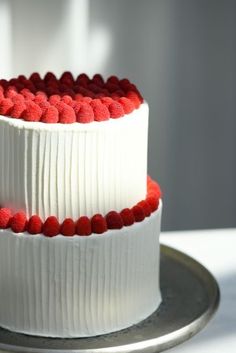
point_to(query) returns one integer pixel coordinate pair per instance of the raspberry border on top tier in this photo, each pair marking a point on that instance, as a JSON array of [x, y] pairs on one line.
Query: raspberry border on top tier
[[67, 100], [84, 226]]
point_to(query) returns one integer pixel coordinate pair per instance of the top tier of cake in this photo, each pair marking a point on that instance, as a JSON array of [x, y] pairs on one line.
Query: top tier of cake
[[65, 153]]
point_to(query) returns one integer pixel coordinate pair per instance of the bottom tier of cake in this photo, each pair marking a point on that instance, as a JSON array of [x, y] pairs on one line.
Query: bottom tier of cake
[[79, 286]]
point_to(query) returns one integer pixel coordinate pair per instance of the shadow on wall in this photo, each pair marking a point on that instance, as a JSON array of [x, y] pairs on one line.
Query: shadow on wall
[[182, 56]]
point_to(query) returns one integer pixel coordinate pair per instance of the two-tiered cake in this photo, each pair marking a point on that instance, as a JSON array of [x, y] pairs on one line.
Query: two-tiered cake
[[79, 218]]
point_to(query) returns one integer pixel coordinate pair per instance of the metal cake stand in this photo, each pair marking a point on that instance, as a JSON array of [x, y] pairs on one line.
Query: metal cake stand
[[190, 297]]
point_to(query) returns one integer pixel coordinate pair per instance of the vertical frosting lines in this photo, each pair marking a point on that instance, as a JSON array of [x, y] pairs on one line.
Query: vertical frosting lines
[[72, 171]]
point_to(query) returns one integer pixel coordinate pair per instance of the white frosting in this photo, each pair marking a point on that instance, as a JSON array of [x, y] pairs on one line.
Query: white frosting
[[68, 170], [79, 286]]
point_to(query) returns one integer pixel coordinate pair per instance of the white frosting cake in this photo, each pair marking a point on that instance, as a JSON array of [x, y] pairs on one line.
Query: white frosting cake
[[79, 220], [79, 286]]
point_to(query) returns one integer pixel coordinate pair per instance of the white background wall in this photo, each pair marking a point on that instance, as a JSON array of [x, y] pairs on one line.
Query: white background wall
[[181, 53]]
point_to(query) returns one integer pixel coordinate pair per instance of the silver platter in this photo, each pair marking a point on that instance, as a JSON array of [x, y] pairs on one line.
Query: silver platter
[[190, 297]]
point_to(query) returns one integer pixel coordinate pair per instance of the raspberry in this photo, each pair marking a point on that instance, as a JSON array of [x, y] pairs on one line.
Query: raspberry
[[11, 92], [98, 80], [95, 102], [83, 226], [40, 97], [5, 216], [153, 202], [101, 112], [67, 115], [127, 105], [18, 222], [50, 115], [107, 101], [5, 106], [133, 96], [138, 213], [76, 107], [114, 220], [146, 207], [51, 227], [54, 99], [113, 79], [49, 76], [17, 110], [33, 112], [111, 87], [85, 114], [35, 77], [27, 94], [35, 225], [98, 224], [127, 217], [68, 227], [67, 99], [82, 80], [116, 110]]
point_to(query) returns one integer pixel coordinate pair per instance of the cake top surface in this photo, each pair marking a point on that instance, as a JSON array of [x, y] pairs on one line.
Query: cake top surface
[[67, 100]]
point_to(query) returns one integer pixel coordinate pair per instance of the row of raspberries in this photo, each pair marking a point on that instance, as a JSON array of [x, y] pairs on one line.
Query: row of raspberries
[[65, 100], [84, 226]]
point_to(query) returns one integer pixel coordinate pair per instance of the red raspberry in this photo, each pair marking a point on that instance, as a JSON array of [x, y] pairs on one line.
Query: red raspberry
[[94, 88], [82, 80], [51, 227], [116, 110], [153, 202], [44, 105], [113, 79], [76, 107], [85, 114], [33, 112], [138, 213], [78, 97], [35, 77], [127, 217], [49, 76], [18, 222], [98, 224], [5, 216], [68, 227], [133, 96], [111, 87], [127, 105], [67, 115], [54, 99], [17, 110], [11, 92], [35, 225], [101, 112], [83, 226], [40, 97], [114, 220], [107, 101], [27, 94], [146, 207], [50, 115], [67, 99], [95, 102], [98, 80], [5, 106]]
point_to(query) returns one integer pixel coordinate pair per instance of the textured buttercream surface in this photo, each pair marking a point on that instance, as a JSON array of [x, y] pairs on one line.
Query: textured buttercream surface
[[79, 286], [75, 169]]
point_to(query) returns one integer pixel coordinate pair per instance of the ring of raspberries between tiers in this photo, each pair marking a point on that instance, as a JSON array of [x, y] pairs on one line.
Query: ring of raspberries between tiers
[[67, 100], [84, 226]]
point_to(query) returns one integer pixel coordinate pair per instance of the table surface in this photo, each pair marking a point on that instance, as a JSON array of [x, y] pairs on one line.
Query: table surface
[[216, 250]]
